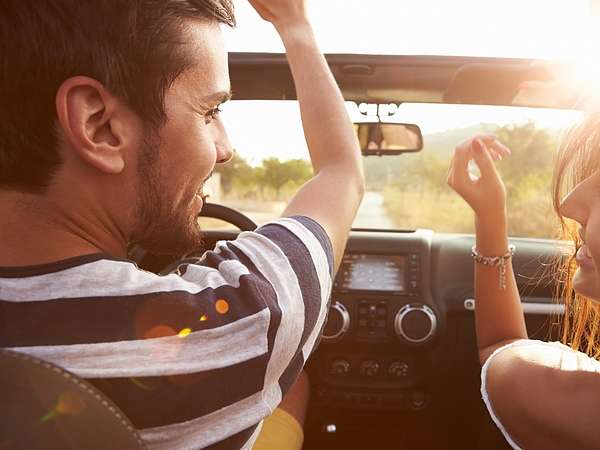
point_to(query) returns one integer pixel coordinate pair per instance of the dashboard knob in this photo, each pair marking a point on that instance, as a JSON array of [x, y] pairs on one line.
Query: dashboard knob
[[369, 368], [338, 323], [398, 369], [339, 367], [415, 323]]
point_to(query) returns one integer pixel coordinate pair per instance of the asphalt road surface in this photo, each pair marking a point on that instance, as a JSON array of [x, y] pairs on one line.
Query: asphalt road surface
[[372, 214]]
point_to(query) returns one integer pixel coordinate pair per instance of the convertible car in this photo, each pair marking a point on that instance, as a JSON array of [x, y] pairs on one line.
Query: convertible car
[[397, 366]]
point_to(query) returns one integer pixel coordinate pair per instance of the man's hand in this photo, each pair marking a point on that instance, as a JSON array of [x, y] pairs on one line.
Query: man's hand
[[281, 13], [486, 195]]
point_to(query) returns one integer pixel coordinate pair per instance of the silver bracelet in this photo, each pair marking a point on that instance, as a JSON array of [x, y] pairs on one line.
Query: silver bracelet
[[495, 261]]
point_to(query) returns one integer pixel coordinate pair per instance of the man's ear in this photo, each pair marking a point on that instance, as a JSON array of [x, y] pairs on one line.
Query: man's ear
[[94, 123]]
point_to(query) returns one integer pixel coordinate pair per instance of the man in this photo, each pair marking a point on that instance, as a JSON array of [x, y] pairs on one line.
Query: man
[[108, 129]]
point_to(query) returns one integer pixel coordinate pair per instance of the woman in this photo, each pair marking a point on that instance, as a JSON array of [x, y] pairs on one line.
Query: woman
[[541, 395]]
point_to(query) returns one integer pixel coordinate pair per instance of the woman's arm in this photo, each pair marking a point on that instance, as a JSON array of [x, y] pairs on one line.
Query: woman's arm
[[498, 313], [547, 396]]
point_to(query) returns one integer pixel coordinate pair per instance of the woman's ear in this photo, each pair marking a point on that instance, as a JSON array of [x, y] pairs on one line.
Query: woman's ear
[[94, 123]]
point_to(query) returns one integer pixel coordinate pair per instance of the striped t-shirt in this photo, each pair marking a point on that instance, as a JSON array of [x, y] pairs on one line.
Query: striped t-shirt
[[195, 359]]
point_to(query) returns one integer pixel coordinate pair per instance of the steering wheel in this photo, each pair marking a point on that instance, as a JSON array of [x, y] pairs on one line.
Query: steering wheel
[[212, 210], [229, 215]]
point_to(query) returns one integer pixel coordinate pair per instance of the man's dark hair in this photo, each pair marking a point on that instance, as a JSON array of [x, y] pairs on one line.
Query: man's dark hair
[[135, 48]]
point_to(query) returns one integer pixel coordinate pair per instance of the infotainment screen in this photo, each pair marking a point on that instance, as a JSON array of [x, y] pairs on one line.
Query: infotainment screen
[[360, 272]]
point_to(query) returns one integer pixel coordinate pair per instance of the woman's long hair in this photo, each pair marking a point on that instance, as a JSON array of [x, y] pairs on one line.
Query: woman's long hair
[[578, 158]]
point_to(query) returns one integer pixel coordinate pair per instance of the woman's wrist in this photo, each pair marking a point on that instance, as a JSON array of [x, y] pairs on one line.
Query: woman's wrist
[[491, 234]]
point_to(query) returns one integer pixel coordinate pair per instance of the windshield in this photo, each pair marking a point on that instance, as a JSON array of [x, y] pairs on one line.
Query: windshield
[[403, 192]]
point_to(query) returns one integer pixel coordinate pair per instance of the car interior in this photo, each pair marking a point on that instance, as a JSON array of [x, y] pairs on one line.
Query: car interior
[[397, 366]]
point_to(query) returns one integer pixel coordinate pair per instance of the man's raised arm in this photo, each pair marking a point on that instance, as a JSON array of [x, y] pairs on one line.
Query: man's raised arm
[[333, 195]]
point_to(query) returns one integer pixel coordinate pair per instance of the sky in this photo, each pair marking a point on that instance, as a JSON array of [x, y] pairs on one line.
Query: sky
[[545, 29], [260, 130], [512, 28]]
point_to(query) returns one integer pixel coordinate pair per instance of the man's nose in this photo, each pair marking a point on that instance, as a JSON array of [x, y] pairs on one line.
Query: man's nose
[[224, 152], [222, 144]]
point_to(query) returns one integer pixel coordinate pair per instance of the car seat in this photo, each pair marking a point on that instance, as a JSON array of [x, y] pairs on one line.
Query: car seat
[[45, 407]]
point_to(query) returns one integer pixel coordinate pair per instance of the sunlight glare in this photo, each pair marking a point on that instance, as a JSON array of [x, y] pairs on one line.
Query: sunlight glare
[[511, 28]]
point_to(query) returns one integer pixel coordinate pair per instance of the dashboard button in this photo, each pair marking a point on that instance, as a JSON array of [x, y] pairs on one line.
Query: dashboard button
[[338, 323], [369, 368], [339, 367], [418, 399], [398, 369], [415, 323]]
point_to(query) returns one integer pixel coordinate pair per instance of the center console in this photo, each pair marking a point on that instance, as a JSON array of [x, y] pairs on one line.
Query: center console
[[377, 343], [400, 314]]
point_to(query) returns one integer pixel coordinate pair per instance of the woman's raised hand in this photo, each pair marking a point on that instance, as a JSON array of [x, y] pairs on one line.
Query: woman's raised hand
[[485, 194]]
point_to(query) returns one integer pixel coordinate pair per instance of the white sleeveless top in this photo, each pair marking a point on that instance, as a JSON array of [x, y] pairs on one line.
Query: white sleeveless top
[[580, 362]]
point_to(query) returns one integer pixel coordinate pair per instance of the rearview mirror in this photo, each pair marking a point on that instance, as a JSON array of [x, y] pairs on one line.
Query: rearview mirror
[[388, 138]]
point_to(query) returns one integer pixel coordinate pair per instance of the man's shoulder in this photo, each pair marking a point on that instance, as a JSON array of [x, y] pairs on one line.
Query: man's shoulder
[[293, 234]]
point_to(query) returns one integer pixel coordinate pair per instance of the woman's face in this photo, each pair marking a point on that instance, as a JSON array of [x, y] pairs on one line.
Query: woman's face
[[582, 204]]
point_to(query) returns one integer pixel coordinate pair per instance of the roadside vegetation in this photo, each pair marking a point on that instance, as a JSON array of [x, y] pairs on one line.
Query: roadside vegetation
[[416, 194], [261, 192], [413, 186]]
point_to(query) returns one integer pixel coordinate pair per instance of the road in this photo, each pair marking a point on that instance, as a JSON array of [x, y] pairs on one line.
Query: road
[[372, 214]]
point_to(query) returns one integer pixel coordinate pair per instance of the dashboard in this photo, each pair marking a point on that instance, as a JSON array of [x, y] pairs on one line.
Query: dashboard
[[399, 339], [397, 365]]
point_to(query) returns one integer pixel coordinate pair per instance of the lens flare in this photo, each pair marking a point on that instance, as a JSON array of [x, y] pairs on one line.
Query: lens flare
[[222, 306], [203, 318], [184, 333], [69, 404], [147, 384], [159, 331]]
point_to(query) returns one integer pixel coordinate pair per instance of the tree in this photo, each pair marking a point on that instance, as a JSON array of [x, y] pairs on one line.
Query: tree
[[527, 175], [533, 152], [276, 173], [419, 196], [235, 172]]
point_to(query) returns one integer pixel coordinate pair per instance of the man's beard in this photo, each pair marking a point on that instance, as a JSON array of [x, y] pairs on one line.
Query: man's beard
[[161, 228]]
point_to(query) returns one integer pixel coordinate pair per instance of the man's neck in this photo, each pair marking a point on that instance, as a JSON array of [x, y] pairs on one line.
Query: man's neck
[[34, 231]]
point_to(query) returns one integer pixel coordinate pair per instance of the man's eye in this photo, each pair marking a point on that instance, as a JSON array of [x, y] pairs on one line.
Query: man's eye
[[210, 115]]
